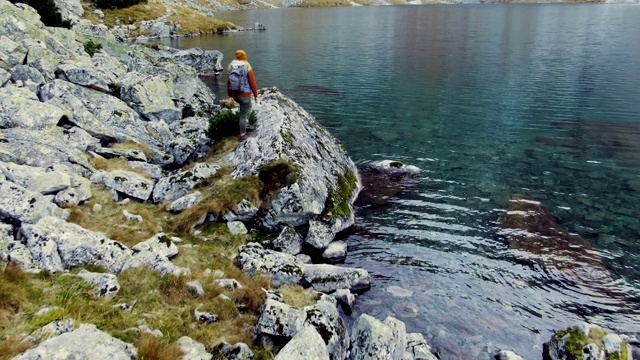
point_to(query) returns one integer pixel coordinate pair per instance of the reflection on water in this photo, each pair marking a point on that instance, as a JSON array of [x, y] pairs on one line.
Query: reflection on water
[[491, 102]]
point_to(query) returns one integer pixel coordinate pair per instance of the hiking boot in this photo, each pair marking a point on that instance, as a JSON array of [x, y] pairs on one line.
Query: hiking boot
[[243, 137]]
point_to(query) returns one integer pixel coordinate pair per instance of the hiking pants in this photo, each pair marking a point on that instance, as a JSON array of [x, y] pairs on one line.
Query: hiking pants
[[245, 108]]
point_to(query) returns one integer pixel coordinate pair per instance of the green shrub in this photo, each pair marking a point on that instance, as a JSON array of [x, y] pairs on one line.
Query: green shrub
[[119, 4], [48, 11], [225, 123], [91, 47]]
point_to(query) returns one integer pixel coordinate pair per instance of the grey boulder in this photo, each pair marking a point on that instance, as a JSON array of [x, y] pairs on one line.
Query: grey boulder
[[328, 278], [86, 342], [105, 285], [126, 182], [283, 269], [306, 344], [175, 186], [20, 107]]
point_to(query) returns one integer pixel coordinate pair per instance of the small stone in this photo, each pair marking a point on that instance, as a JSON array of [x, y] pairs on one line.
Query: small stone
[[124, 307], [239, 351], [218, 273], [97, 208], [229, 284], [193, 350], [336, 252], [195, 287], [46, 310], [148, 330], [305, 259], [346, 300], [237, 228], [223, 297], [397, 291], [205, 317], [132, 217]]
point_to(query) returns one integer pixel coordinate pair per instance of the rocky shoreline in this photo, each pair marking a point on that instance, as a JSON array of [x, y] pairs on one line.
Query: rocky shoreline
[[124, 228]]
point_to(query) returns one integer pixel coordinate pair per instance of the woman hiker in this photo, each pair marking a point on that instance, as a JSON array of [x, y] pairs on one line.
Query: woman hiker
[[241, 84]]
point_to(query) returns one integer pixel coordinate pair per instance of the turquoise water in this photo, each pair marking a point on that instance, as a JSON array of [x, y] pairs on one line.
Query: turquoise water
[[490, 101]]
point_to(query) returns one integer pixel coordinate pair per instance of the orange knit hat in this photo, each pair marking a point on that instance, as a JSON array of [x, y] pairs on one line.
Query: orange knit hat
[[241, 55]]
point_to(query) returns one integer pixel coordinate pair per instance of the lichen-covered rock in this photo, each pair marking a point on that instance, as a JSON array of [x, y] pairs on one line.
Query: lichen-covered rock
[[278, 321], [20, 174], [41, 57], [90, 30], [6, 237], [205, 317], [172, 187], [288, 241], [159, 243], [129, 154], [325, 176], [11, 53], [185, 202], [346, 299], [20, 107], [50, 182], [239, 351], [56, 245], [203, 61], [82, 71], [229, 284], [320, 234], [283, 269], [54, 328], [190, 139], [586, 341], [21, 256], [104, 116], [4, 77], [374, 339], [195, 287], [45, 147], [328, 278], [70, 9], [325, 318], [418, 349], [149, 96], [126, 182], [244, 211], [24, 206], [306, 344], [85, 342], [77, 193], [336, 252], [237, 228], [24, 74], [154, 171], [504, 355], [105, 285], [193, 350]]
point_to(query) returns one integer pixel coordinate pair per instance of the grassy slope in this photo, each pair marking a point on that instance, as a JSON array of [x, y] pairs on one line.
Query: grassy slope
[[160, 302]]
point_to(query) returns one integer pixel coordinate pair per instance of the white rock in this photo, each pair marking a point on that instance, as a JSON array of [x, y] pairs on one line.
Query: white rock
[[283, 269], [195, 287], [418, 349], [6, 237], [126, 182], [506, 355], [193, 350], [50, 330], [132, 217], [306, 344], [336, 252], [229, 284], [237, 228], [374, 339], [186, 202], [105, 285], [86, 342]]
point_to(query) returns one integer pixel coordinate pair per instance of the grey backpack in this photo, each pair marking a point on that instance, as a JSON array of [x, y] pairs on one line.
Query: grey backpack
[[237, 77]]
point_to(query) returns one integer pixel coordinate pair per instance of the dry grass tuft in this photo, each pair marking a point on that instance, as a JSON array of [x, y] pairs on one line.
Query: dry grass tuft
[[13, 346], [12, 293], [152, 10], [221, 195], [194, 22], [132, 145], [153, 348], [100, 163], [110, 220], [297, 296]]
